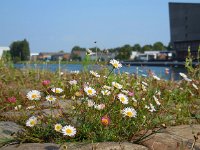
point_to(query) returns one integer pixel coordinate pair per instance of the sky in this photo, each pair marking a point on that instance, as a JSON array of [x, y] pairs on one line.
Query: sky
[[54, 25]]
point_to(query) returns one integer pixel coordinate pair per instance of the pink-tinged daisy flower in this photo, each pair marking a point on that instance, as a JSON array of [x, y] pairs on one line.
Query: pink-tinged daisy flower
[[73, 82], [91, 103], [99, 106]]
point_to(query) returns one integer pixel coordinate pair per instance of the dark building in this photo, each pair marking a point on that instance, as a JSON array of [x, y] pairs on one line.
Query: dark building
[[185, 28]]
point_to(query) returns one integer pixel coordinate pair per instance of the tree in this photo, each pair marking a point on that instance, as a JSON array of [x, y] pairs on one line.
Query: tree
[[124, 52], [137, 47], [158, 46], [147, 48], [20, 51]]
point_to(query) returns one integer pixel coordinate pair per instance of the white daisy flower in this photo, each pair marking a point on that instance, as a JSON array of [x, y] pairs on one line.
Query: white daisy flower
[[99, 106], [91, 103], [30, 107], [75, 72], [50, 98], [147, 107], [144, 88], [117, 85], [115, 63], [144, 83], [18, 107], [89, 91], [158, 93], [195, 86], [156, 77], [106, 87], [156, 100], [69, 130], [32, 121], [133, 98], [183, 75], [127, 73], [123, 98], [129, 112], [152, 108], [94, 74], [89, 52], [57, 90], [124, 91], [105, 92], [33, 95], [58, 127], [73, 82]]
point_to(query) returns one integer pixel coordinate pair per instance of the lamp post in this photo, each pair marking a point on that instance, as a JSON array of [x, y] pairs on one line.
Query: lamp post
[[96, 49]]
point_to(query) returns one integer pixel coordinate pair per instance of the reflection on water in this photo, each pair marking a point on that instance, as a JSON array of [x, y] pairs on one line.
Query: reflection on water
[[167, 73]]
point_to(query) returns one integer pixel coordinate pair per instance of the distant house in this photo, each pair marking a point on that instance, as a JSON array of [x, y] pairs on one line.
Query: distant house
[[166, 55], [53, 56], [154, 53], [34, 56], [62, 56], [134, 54], [45, 56], [145, 57], [78, 54], [2, 49]]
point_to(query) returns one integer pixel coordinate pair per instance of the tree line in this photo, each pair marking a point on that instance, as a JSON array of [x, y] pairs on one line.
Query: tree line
[[123, 52], [20, 51]]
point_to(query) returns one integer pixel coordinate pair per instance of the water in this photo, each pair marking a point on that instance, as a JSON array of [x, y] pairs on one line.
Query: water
[[173, 72]]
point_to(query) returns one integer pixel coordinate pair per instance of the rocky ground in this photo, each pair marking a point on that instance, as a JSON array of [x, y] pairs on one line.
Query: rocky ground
[[173, 138]]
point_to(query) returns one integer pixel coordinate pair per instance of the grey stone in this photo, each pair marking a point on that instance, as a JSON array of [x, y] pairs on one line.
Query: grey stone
[[174, 138], [75, 146], [32, 146], [7, 130]]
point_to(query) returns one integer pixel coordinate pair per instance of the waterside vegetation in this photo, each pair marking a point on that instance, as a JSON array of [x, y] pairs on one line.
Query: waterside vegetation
[[95, 106]]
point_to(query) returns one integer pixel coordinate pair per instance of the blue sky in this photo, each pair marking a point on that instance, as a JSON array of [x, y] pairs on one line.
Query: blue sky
[[53, 25]]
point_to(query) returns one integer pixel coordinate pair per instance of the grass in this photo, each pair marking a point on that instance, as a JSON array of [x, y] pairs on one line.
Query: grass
[[96, 116]]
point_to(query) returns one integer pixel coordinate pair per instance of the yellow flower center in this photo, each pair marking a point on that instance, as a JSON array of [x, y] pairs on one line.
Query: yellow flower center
[[32, 122], [68, 131], [104, 121], [34, 96], [58, 128], [129, 114], [50, 98], [115, 65], [57, 91], [122, 99], [90, 91]]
